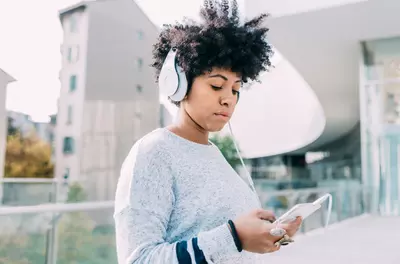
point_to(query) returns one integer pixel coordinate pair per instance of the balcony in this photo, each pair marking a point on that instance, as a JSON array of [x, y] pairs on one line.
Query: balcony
[[84, 232], [57, 233]]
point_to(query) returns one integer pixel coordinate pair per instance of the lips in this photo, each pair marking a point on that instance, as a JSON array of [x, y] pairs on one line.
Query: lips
[[223, 114]]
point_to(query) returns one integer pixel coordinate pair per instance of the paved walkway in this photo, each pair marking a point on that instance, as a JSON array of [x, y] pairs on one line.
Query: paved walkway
[[361, 240]]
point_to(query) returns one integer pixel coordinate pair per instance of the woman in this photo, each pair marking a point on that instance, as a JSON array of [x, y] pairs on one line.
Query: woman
[[178, 200]]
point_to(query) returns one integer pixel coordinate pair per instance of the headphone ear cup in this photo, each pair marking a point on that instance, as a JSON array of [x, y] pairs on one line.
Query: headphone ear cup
[[172, 79], [182, 85], [169, 82]]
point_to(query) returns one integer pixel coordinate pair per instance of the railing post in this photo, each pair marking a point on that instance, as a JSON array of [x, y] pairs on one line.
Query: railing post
[[51, 234], [54, 229], [338, 205]]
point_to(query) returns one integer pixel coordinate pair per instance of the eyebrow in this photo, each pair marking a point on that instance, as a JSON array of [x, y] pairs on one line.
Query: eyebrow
[[221, 76]]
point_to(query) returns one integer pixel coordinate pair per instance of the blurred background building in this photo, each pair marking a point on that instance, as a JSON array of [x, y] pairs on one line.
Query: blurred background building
[[5, 79], [108, 96]]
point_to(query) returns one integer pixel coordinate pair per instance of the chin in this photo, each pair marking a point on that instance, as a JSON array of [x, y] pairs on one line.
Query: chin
[[215, 128]]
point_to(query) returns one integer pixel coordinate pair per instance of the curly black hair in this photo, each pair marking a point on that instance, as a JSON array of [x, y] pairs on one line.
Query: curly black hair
[[219, 40]]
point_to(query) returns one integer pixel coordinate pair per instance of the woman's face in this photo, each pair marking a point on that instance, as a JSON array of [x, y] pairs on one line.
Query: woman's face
[[212, 99]]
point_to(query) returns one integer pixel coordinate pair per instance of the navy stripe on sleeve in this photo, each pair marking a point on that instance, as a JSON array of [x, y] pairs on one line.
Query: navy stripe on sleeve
[[198, 253], [182, 253]]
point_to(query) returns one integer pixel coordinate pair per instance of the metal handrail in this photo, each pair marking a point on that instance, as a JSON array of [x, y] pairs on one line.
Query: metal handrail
[[56, 208], [29, 180], [84, 206]]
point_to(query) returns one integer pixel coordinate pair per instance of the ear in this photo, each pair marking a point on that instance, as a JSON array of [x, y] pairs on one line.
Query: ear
[[185, 98]]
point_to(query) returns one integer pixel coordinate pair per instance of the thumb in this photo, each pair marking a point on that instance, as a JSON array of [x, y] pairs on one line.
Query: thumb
[[290, 225], [266, 215], [299, 220]]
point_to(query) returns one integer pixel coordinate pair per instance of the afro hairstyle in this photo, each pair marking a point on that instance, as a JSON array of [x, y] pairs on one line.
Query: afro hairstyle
[[220, 40]]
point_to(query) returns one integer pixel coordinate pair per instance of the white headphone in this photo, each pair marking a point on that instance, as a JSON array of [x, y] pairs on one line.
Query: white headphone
[[172, 80]]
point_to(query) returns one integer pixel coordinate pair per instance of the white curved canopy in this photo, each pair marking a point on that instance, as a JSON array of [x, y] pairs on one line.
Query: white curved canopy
[[278, 115], [321, 39]]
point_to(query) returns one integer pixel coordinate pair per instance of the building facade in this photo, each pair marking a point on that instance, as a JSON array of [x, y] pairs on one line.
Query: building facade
[[380, 119], [350, 61], [5, 79], [108, 96]]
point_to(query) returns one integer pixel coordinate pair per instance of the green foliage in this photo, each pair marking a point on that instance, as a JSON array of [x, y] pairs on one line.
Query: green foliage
[[75, 230], [80, 239], [79, 243], [27, 157], [227, 148], [10, 245], [76, 193]]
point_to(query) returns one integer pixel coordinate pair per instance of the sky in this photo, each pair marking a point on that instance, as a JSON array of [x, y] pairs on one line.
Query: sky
[[31, 36]]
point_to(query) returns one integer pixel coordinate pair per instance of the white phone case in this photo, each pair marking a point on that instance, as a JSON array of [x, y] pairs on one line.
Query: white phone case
[[304, 210]]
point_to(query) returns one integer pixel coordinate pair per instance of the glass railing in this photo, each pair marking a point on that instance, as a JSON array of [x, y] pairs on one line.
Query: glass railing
[[32, 191], [346, 203], [84, 232], [26, 191], [58, 233], [23, 238], [86, 237]]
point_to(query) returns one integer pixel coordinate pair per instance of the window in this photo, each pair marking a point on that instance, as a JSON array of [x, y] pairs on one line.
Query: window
[[66, 174], [68, 147], [138, 109], [69, 115], [139, 63], [140, 34], [137, 121], [53, 119], [72, 83], [69, 55], [139, 88], [51, 137], [73, 54], [73, 24]]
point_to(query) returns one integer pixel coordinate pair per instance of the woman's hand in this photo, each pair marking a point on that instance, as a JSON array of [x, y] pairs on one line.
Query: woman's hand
[[254, 231]]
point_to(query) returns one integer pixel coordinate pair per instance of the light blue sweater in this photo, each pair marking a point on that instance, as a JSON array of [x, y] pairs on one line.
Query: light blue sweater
[[173, 200]]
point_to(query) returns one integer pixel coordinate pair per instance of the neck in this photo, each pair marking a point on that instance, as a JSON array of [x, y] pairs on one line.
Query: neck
[[187, 128]]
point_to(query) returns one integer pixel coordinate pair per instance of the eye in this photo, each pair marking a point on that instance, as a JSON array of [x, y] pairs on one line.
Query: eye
[[235, 92], [216, 87]]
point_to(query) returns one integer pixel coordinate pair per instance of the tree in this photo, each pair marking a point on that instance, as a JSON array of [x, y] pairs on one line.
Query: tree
[[28, 157], [76, 193], [11, 129], [227, 148]]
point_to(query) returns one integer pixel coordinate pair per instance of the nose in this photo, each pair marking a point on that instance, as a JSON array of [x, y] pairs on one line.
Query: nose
[[228, 99]]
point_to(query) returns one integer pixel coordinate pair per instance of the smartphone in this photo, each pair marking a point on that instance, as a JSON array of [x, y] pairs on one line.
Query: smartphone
[[304, 210]]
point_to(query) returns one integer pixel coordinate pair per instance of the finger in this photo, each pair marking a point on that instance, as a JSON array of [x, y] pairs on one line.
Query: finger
[[276, 247], [266, 215], [293, 230], [286, 226], [294, 224], [290, 229], [297, 223]]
